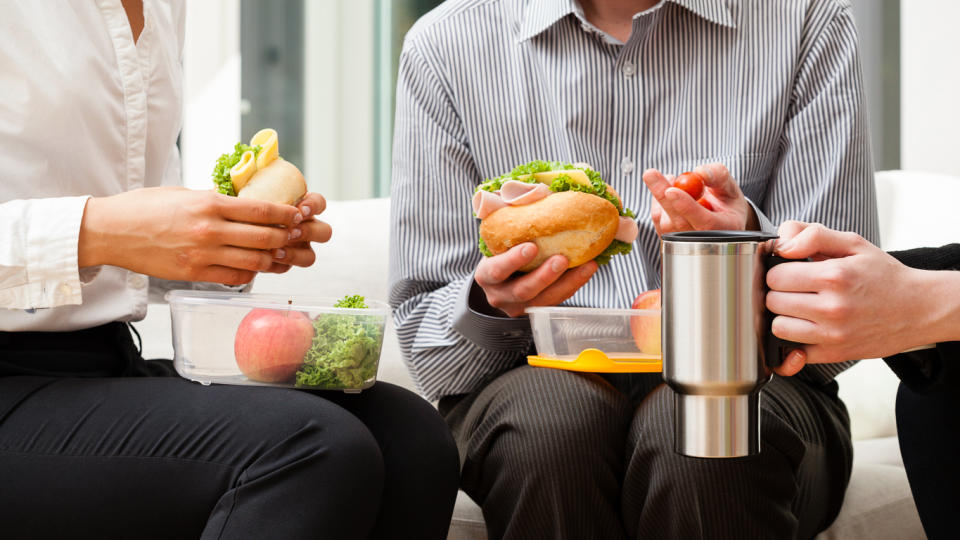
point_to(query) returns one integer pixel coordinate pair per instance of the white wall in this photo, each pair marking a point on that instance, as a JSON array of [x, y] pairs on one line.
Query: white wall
[[211, 87], [930, 86], [338, 94]]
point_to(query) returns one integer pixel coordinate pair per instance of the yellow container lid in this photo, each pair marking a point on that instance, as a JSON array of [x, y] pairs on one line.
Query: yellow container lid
[[596, 361]]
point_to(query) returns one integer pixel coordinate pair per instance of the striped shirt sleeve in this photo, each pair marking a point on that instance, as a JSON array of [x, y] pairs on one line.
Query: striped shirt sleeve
[[825, 171], [448, 347]]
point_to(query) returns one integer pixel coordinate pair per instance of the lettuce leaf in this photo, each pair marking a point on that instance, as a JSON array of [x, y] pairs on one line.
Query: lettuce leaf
[[221, 171], [345, 350]]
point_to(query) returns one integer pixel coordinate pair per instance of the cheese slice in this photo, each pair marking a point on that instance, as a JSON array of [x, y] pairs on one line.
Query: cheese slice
[[241, 172], [269, 145], [577, 176]]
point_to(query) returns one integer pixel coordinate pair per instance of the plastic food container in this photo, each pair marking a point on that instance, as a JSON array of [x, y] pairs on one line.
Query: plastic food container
[[596, 340], [275, 340]]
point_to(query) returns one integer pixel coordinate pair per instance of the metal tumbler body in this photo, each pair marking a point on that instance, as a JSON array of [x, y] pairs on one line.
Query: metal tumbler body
[[713, 318]]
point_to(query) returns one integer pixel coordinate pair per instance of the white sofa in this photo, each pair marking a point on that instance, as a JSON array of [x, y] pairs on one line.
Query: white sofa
[[878, 504]]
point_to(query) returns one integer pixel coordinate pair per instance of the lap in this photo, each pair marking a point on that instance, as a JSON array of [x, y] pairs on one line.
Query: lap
[[561, 417], [803, 466], [131, 452]]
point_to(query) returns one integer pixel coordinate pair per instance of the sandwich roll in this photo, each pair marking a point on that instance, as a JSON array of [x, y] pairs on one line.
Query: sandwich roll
[[570, 223], [260, 173], [279, 182]]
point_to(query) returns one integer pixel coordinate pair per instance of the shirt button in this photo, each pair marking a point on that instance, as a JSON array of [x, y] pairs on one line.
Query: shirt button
[[626, 166], [65, 289], [138, 281], [629, 69]]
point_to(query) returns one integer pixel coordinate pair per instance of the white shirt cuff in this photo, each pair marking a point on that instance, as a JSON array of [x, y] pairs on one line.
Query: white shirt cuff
[[42, 269]]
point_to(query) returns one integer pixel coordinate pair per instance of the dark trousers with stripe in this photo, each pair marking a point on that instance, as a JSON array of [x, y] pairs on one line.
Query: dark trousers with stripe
[[556, 454], [106, 446]]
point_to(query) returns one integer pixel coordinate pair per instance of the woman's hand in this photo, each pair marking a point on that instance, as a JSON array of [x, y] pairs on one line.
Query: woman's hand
[[547, 285], [181, 234], [854, 301], [674, 210], [297, 251]]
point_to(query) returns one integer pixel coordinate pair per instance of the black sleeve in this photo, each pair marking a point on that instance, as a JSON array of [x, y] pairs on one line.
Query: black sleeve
[[941, 258], [925, 371]]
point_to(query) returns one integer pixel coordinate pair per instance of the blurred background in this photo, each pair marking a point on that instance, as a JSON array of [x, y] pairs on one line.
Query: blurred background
[[323, 72]]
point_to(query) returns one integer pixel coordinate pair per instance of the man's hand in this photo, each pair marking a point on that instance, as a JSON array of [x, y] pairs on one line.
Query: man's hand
[[855, 301], [182, 234], [674, 210], [547, 285], [297, 251]]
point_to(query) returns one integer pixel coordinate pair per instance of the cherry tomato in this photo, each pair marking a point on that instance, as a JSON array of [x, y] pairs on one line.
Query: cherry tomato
[[706, 204], [690, 182]]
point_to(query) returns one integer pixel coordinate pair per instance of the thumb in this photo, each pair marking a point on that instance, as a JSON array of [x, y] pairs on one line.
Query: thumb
[[816, 239], [792, 364]]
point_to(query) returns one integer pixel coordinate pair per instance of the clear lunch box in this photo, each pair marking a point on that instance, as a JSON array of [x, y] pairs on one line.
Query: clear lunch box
[[598, 340], [275, 340]]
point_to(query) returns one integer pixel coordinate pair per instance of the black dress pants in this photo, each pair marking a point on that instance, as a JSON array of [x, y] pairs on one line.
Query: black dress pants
[[135, 456], [560, 455], [928, 427]]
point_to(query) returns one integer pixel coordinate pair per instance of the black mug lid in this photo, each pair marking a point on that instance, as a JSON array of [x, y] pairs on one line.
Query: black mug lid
[[719, 236]]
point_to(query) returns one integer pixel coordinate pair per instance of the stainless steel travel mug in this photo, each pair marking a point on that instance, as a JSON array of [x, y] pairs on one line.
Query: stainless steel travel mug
[[714, 325]]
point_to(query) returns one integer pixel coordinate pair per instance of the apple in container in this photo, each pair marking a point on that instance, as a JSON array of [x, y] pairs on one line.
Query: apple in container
[[270, 344], [646, 330]]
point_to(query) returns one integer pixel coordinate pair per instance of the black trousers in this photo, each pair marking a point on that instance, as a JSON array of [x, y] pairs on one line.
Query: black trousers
[[113, 452], [554, 454], [928, 427]]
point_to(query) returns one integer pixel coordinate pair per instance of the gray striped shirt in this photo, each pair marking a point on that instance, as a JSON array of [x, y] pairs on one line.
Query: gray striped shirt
[[772, 89]]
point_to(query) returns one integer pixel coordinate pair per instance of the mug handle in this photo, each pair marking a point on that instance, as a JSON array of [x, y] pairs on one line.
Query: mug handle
[[774, 348]]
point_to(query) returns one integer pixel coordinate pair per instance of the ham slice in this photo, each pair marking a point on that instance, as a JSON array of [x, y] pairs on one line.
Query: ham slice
[[626, 230], [516, 193], [486, 203]]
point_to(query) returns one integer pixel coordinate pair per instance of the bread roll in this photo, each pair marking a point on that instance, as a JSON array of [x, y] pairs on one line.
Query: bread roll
[[571, 223], [279, 182]]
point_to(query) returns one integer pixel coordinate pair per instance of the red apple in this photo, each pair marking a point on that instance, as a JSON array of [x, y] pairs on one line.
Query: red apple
[[271, 343], [646, 330]]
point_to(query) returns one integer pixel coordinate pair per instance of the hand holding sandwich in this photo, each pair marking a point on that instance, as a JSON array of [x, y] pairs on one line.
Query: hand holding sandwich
[[674, 210], [262, 220], [547, 285], [182, 234]]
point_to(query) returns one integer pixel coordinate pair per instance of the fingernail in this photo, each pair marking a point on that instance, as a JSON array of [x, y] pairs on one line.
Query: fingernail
[[294, 233], [281, 253], [298, 218], [557, 266], [305, 210], [526, 251]]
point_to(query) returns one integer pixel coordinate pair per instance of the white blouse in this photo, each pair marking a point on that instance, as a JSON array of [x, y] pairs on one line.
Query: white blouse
[[84, 111]]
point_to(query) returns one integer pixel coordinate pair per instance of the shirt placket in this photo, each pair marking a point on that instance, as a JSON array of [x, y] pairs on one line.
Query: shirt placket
[[132, 64], [629, 107], [628, 110]]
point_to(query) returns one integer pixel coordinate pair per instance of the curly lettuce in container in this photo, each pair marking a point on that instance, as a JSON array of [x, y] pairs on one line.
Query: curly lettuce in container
[[345, 351]]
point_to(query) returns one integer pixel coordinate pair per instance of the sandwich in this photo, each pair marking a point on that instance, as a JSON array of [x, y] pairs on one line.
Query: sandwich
[[563, 208], [257, 171]]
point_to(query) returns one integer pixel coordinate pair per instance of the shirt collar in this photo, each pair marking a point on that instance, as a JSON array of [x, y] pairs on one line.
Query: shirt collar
[[538, 15]]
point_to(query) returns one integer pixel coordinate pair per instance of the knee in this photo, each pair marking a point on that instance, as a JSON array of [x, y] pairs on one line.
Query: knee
[[652, 438], [314, 442], [420, 442]]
